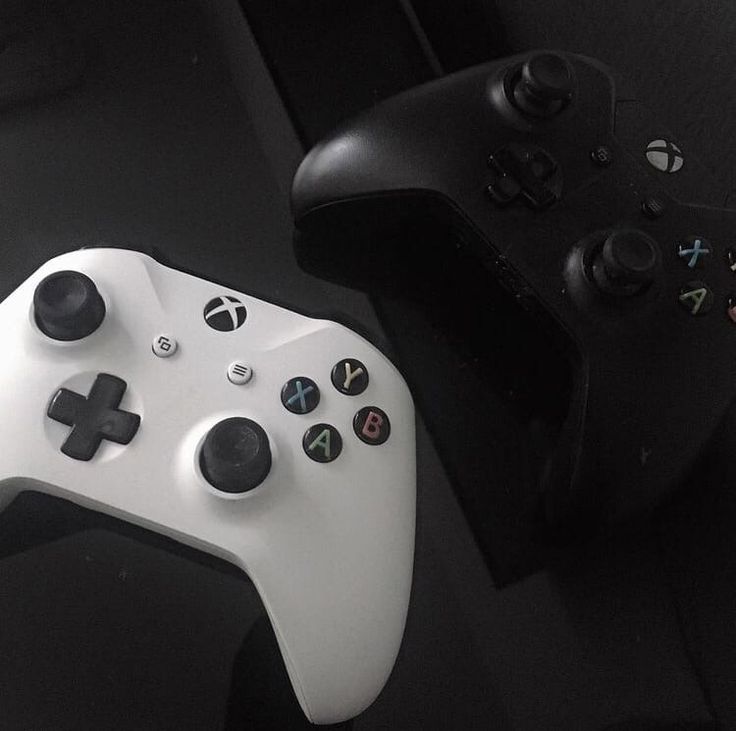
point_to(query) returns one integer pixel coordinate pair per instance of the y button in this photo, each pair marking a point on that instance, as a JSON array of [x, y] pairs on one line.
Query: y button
[[350, 377]]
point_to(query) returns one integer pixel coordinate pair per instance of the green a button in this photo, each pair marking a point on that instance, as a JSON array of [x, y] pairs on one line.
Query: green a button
[[696, 297]]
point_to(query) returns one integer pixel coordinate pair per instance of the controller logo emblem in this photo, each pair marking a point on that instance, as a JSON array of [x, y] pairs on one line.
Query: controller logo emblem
[[225, 313], [665, 156]]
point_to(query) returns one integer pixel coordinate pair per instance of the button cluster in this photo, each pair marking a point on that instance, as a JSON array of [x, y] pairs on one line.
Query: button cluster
[[323, 442], [697, 254]]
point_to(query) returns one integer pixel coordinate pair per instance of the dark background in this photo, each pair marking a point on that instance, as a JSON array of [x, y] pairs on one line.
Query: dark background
[[178, 134]]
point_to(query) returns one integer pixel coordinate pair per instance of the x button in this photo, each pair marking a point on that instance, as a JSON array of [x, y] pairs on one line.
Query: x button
[[300, 395], [94, 417]]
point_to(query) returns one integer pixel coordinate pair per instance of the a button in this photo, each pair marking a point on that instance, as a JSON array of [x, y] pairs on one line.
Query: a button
[[235, 455], [239, 373], [350, 377], [696, 297], [225, 313], [731, 259], [524, 171], [322, 443], [372, 425], [67, 306], [93, 418], [300, 395], [694, 251], [164, 346]]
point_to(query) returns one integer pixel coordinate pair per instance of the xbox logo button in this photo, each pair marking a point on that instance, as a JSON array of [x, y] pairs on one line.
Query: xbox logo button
[[664, 155], [225, 313]]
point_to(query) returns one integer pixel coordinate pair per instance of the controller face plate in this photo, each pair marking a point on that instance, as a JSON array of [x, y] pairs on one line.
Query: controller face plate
[[533, 198], [328, 544]]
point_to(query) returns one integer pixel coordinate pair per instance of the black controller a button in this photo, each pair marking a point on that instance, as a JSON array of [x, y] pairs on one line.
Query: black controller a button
[[300, 395], [67, 306], [371, 425], [94, 417], [545, 85], [696, 297], [694, 251], [322, 443], [626, 263], [235, 456], [525, 171], [350, 377]]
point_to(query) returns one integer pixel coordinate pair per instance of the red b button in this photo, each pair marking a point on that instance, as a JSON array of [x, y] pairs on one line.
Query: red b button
[[372, 425]]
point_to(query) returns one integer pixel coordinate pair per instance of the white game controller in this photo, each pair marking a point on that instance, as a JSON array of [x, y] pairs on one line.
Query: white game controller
[[281, 443]]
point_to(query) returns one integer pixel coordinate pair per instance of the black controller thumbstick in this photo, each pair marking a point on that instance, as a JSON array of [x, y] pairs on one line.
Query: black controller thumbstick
[[545, 85], [626, 263], [235, 456], [67, 306]]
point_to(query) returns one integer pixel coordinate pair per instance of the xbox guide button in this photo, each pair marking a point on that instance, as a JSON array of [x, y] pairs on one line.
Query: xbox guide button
[[225, 313]]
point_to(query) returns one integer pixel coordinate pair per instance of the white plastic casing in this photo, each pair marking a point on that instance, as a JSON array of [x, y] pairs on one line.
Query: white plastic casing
[[329, 547]]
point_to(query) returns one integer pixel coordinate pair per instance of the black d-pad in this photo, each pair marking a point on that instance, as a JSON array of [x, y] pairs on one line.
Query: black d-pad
[[527, 172], [94, 417]]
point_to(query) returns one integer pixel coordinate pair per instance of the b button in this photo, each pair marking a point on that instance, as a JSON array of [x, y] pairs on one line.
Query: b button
[[372, 425], [322, 443]]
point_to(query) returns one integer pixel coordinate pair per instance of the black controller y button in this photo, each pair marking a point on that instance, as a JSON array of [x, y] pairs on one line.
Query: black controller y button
[[525, 171], [372, 425], [322, 443], [350, 377], [300, 395], [626, 263], [694, 251], [94, 417], [67, 306], [235, 455], [696, 297], [545, 85]]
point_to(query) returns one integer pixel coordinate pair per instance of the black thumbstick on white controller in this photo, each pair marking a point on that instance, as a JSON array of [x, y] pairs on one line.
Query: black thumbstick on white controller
[[67, 306], [627, 262], [546, 83], [235, 455]]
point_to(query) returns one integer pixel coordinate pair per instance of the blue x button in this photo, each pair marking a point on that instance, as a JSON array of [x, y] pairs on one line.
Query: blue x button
[[300, 395], [693, 250]]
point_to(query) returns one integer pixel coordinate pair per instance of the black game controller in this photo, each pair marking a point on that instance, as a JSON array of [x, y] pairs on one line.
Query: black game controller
[[592, 216]]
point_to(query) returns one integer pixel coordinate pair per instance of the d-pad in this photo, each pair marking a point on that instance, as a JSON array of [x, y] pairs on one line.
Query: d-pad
[[94, 417], [527, 172]]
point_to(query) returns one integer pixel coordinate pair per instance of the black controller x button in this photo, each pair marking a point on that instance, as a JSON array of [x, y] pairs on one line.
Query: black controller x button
[[94, 417], [527, 171]]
